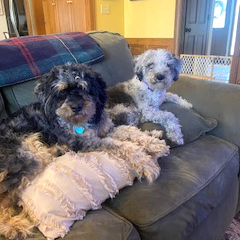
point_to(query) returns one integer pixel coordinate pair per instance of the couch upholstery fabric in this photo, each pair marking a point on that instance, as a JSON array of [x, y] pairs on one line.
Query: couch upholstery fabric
[[99, 225], [193, 181], [213, 99]]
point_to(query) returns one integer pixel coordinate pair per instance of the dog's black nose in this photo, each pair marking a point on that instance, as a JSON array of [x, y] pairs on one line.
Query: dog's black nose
[[77, 108], [160, 77]]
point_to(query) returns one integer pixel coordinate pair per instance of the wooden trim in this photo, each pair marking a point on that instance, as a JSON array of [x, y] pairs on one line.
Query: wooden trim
[[28, 17], [180, 15], [235, 70], [140, 45], [90, 15], [177, 28], [35, 17]]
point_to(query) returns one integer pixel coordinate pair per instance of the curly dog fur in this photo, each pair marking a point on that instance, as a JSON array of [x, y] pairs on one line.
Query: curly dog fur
[[71, 98], [138, 99]]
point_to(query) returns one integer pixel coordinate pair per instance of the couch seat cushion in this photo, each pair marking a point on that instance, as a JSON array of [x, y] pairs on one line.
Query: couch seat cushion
[[193, 181], [100, 225]]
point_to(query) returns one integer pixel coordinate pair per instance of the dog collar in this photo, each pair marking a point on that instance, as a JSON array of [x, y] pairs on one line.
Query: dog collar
[[148, 86], [78, 130]]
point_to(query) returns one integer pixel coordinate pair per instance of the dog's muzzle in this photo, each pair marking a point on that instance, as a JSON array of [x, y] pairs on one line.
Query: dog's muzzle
[[78, 108], [159, 77]]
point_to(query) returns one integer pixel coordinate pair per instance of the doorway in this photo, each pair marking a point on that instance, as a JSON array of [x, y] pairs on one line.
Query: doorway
[[198, 32], [196, 27], [233, 36]]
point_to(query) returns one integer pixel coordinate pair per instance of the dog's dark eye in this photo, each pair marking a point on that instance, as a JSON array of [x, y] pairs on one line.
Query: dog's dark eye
[[150, 65], [62, 93]]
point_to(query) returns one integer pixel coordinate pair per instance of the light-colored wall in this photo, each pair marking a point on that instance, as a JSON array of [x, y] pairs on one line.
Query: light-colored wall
[[3, 24], [114, 20], [137, 19], [149, 18]]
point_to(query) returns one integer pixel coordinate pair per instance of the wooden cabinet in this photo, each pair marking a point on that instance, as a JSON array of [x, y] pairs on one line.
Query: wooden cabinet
[[51, 19], [68, 15]]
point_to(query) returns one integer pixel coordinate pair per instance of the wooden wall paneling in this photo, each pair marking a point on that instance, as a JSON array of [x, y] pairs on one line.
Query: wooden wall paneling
[[140, 45]]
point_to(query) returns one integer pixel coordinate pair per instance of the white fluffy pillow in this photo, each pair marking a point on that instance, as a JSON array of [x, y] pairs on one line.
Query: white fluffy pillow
[[70, 186]]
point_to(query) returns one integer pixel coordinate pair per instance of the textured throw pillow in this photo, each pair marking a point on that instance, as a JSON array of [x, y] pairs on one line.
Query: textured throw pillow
[[193, 124], [70, 186]]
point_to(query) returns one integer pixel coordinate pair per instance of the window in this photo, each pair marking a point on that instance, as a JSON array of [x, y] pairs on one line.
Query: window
[[219, 13]]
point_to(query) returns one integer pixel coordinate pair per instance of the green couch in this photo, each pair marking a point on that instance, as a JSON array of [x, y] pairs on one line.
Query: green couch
[[196, 195]]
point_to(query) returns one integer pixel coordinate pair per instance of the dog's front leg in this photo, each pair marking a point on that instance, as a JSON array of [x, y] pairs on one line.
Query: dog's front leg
[[139, 161], [168, 121], [171, 97], [149, 141]]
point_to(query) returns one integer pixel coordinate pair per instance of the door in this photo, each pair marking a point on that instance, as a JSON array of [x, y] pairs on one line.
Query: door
[[68, 15], [64, 11], [50, 16], [222, 26], [196, 26], [77, 15]]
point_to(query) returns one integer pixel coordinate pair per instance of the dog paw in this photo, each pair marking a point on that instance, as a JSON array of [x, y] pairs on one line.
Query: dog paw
[[175, 135], [171, 97], [177, 140], [186, 104]]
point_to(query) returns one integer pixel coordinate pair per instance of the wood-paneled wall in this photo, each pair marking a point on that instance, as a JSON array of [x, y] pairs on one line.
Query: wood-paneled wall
[[140, 45]]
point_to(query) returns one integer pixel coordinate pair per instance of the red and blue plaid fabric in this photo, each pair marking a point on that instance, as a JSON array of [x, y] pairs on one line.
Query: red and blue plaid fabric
[[25, 58]]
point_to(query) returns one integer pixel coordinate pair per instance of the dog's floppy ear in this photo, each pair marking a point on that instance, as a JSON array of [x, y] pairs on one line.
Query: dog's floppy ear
[[138, 69], [175, 65], [98, 90], [40, 88]]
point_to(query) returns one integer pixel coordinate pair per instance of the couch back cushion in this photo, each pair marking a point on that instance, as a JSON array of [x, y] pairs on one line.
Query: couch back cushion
[[25, 58], [118, 61], [217, 100]]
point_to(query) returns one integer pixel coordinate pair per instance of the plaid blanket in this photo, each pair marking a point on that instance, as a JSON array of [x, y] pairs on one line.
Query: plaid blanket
[[25, 58]]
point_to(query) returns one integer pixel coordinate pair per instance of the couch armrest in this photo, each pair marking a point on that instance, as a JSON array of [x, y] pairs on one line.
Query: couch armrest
[[216, 100]]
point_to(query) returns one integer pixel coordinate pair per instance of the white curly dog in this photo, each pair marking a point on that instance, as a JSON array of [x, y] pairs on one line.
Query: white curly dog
[[138, 100]]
